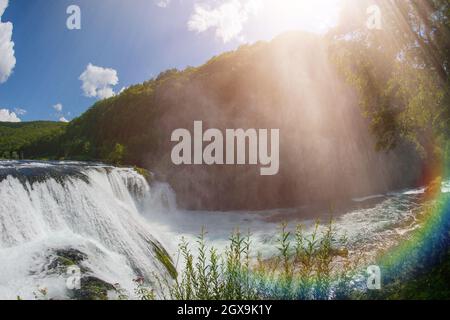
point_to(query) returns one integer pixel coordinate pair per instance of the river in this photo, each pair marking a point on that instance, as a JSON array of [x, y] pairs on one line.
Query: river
[[117, 221]]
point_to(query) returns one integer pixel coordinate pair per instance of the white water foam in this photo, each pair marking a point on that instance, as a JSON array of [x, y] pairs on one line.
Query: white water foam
[[111, 215], [96, 214]]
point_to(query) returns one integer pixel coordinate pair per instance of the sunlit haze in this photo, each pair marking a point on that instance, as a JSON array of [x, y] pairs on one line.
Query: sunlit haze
[[244, 20]]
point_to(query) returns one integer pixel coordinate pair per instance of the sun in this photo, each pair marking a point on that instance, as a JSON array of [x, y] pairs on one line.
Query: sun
[[309, 15], [262, 19], [268, 18]]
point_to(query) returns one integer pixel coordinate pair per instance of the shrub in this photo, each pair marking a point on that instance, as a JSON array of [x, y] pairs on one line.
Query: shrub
[[304, 267]]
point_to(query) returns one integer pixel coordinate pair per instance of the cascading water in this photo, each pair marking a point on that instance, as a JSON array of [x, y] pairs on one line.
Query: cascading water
[[116, 227], [51, 212]]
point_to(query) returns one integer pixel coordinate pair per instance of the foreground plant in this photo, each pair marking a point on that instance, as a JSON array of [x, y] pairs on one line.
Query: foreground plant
[[304, 267]]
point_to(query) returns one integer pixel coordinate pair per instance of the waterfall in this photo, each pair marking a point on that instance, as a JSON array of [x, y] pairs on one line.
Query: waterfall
[[91, 209], [117, 227]]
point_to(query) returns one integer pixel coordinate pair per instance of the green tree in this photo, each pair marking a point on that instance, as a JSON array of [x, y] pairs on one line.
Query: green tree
[[401, 72], [117, 155]]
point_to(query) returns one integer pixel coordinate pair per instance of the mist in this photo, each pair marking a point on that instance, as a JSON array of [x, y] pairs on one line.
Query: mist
[[327, 153]]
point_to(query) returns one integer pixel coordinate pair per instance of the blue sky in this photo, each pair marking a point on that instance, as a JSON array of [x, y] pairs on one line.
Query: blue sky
[[126, 42]]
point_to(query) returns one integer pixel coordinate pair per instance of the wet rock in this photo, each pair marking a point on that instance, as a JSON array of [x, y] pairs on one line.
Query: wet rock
[[163, 256], [61, 259], [92, 288]]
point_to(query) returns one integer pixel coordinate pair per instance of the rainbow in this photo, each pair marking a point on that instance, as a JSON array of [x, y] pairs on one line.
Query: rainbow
[[420, 251], [424, 247]]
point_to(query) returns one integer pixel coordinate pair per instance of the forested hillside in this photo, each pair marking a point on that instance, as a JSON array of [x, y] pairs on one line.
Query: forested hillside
[[30, 140], [401, 72], [360, 112], [327, 152]]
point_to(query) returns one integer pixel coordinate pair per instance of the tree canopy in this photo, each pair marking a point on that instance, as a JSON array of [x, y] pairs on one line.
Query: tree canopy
[[30, 139], [401, 71]]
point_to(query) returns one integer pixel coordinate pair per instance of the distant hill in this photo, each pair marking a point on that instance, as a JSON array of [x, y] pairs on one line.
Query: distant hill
[[30, 139], [327, 152]]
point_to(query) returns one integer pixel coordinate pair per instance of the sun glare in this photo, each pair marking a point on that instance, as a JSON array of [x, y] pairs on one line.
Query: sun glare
[[262, 19], [284, 15]]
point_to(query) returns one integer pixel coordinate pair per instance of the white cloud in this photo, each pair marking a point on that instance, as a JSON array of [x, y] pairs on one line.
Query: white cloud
[[227, 19], [7, 58], [59, 114], [20, 111], [163, 3], [256, 19], [3, 6], [58, 107], [6, 115], [98, 82]]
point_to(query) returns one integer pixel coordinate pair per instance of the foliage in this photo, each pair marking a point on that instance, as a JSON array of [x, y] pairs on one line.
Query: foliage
[[305, 267], [143, 172], [117, 154], [30, 140], [317, 266], [142, 291], [401, 72], [424, 272], [430, 285]]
